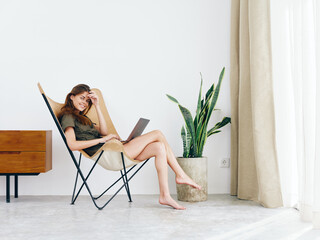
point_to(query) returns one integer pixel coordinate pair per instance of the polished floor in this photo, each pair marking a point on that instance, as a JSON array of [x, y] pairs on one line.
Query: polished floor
[[221, 217]]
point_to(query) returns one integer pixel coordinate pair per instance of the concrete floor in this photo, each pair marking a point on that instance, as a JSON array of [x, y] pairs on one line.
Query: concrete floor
[[221, 217]]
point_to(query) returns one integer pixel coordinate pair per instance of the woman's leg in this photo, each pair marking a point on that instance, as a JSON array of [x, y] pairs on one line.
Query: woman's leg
[[157, 150], [138, 144], [181, 176]]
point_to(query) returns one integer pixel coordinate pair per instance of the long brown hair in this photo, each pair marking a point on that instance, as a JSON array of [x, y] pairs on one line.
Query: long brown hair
[[68, 107]]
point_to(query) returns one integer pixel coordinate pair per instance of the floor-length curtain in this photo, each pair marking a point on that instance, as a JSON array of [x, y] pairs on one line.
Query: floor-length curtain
[[254, 167], [295, 29]]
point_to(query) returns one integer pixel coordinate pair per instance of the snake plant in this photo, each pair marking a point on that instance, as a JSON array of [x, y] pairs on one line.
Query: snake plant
[[194, 134]]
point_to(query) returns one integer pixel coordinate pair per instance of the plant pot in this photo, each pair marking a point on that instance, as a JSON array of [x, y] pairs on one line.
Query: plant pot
[[197, 170]]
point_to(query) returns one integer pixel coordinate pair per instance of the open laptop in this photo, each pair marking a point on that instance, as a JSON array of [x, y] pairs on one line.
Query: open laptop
[[137, 130]]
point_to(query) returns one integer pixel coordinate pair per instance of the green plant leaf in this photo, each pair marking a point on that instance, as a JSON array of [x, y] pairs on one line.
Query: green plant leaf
[[190, 139], [216, 94], [189, 124], [196, 119], [202, 139], [198, 128], [210, 91], [224, 122], [221, 124], [205, 107], [213, 99], [207, 111], [172, 99], [188, 142], [214, 133], [184, 141], [191, 152]]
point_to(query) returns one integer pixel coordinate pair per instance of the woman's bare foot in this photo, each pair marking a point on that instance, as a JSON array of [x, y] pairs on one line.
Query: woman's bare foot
[[188, 181], [170, 202]]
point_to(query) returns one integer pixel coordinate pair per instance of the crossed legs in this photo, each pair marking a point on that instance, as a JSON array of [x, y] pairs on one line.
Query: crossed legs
[[154, 144]]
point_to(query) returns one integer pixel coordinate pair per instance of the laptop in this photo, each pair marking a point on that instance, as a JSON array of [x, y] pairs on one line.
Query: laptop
[[138, 129]]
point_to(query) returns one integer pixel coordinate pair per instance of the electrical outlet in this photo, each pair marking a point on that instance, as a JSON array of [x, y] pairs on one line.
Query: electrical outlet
[[225, 163]]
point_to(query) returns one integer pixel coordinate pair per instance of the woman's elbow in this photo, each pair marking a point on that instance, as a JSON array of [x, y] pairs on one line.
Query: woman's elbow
[[72, 146], [103, 133], [73, 149]]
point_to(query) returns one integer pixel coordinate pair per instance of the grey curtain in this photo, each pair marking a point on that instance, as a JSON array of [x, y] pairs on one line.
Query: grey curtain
[[254, 167]]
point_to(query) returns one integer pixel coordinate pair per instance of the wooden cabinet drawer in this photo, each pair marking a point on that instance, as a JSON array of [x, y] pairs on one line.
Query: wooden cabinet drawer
[[32, 141], [23, 162]]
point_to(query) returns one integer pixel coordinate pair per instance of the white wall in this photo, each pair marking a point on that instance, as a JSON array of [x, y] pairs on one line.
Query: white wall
[[135, 52]]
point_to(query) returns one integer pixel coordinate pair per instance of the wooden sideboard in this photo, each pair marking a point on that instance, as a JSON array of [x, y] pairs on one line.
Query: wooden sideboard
[[24, 153]]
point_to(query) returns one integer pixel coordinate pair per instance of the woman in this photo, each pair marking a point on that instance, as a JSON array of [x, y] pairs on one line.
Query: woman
[[82, 134]]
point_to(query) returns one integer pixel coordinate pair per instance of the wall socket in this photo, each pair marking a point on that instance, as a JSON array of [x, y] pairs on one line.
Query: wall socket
[[225, 163]]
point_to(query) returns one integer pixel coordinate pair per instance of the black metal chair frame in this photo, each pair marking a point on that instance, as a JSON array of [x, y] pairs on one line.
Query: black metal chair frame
[[124, 175]]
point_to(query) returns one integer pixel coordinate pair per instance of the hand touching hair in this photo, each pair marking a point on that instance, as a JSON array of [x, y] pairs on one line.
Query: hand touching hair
[[69, 108]]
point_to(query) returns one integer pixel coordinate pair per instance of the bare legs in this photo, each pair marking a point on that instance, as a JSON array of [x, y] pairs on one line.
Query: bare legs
[[157, 150], [154, 144]]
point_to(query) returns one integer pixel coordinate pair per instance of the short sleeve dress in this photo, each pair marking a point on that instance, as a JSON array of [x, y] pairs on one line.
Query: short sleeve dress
[[109, 159], [82, 132]]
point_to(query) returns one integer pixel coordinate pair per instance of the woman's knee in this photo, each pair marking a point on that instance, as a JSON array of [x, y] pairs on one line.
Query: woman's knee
[[159, 148], [159, 135]]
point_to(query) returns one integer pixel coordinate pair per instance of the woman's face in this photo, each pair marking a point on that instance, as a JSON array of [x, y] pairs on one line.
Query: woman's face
[[80, 101]]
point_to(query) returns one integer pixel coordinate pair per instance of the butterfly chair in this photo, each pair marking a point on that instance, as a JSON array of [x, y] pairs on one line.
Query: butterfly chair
[[112, 145]]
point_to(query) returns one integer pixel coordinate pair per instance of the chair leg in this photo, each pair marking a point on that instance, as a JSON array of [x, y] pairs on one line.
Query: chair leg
[[125, 179], [126, 185], [86, 178], [100, 208], [113, 184], [110, 199], [75, 184]]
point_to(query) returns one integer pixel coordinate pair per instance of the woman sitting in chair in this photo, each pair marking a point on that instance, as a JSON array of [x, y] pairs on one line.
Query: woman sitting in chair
[[82, 134]]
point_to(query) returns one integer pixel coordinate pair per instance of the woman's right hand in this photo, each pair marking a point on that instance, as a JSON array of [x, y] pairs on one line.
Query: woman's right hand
[[109, 137]]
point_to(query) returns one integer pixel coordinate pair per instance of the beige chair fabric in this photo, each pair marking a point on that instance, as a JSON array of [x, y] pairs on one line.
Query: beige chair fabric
[[111, 158], [254, 166]]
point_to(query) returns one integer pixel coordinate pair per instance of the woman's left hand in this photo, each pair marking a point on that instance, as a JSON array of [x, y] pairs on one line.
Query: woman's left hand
[[94, 98]]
